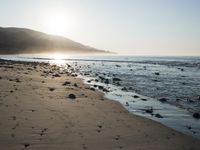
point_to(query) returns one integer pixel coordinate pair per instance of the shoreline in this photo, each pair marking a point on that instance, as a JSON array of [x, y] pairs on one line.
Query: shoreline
[[38, 112]]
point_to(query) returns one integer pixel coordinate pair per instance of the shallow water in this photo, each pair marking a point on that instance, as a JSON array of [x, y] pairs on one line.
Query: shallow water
[[144, 80]]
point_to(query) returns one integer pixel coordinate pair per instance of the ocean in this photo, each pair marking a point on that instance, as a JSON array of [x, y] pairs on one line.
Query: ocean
[[164, 89]]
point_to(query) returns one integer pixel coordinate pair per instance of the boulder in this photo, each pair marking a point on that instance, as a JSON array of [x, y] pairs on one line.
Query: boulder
[[72, 96]]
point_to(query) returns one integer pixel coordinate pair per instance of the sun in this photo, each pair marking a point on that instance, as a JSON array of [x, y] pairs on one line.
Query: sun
[[57, 23]]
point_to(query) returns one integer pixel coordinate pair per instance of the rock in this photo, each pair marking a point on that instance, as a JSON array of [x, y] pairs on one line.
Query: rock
[[66, 83], [100, 87], [124, 89], [130, 88], [56, 75], [17, 80], [92, 89], [150, 111], [127, 104], [105, 90], [143, 99], [74, 75], [157, 73], [196, 115], [182, 69], [89, 81], [29, 69], [135, 96], [51, 88], [155, 80], [198, 98], [99, 126], [158, 116], [72, 96], [117, 65], [106, 81], [116, 79], [75, 85], [26, 145], [163, 100], [189, 127]]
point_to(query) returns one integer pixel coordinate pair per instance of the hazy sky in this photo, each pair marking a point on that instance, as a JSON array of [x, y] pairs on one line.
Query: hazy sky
[[141, 27]]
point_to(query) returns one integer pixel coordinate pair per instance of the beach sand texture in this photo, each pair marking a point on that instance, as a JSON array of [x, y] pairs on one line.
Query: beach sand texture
[[39, 110]]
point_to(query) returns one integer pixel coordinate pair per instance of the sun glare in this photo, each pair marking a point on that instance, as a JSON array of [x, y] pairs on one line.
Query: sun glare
[[57, 23], [58, 56]]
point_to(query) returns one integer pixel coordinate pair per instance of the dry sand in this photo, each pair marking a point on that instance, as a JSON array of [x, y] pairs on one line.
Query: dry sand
[[37, 114]]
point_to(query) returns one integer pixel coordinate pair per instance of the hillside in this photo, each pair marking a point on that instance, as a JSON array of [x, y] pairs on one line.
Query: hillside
[[21, 40]]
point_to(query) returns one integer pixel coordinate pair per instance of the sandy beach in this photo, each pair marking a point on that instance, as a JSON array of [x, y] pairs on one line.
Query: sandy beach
[[45, 108]]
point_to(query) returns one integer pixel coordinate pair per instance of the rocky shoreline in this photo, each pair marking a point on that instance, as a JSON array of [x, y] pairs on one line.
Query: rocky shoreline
[[46, 107]]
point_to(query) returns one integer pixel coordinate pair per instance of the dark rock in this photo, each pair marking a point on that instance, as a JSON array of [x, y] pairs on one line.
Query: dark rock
[[51, 88], [66, 83], [100, 126], [189, 127], [150, 111], [75, 85], [26, 145], [143, 99], [72, 96], [105, 90], [135, 96], [155, 80], [74, 75], [100, 87], [130, 88], [106, 81], [89, 81], [29, 69], [56, 75], [127, 104], [17, 80], [163, 100], [93, 89], [196, 115], [158, 116], [198, 98], [116, 79], [157, 73], [117, 65], [124, 89], [182, 69]]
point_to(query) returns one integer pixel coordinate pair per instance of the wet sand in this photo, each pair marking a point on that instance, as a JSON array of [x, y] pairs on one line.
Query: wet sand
[[44, 108]]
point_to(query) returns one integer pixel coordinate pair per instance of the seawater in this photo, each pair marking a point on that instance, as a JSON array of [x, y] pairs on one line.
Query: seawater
[[144, 80]]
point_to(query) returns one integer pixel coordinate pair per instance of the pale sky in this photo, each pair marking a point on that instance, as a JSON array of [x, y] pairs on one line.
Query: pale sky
[[137, 27]]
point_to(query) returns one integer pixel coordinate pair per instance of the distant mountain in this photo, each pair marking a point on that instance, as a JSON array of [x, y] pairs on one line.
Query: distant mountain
[[21, 41]]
